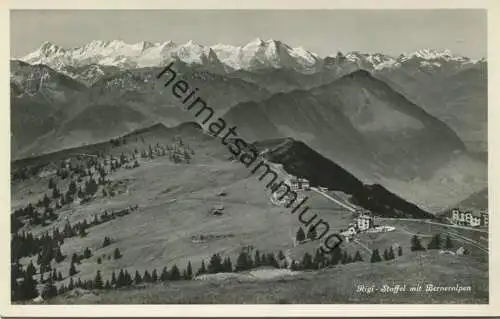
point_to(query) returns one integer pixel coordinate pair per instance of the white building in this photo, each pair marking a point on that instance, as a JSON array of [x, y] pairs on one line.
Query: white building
[[304, 184], [365, 221], [298, 183], [292, 183], [464, 218], [475, 220], [484, 218]]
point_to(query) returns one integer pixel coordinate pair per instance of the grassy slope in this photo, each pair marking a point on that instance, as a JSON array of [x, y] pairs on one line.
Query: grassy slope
[[333, 285], [174, 201]]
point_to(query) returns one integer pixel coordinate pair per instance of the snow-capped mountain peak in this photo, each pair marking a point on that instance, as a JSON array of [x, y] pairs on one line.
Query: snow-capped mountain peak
[[432, 55], [254, 55], [49, 48]]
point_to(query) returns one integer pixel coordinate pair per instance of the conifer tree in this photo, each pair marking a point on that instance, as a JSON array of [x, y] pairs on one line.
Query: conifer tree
[[357, 257], [56, 193], [271, 260], [227, 265], [98, 280], [87, 253], [154, 276], [106, 241], [319, 259], [46, 200], [49, 290], [174, 273], [400, 251], [42, 279], [30, 270], [448, 244], [59, 256], [311, 233], [117, 254], [416, 244], [59, 276], [113, 279], [344, 258], [202, 269], [137, 278], [82, 232], [164, 274], [300, 236], [52, 184], [215, 264], [120, 281], [72, 269], [390, 253], [281, 255], [28, 288], [375, 256], [307, 262], [257, 260], [107, 285], [242, 262], [71, 284], [386, 254], [189, 269], [72, 188], [75, 259], [146, 277], [128, 279]]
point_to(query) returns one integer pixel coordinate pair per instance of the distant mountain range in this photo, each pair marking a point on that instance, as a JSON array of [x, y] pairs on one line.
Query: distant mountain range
[[416, 123], [255, 55], [451, 87]]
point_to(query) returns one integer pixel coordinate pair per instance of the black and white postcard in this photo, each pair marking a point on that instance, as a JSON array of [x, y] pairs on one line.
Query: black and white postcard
[[228, 156]]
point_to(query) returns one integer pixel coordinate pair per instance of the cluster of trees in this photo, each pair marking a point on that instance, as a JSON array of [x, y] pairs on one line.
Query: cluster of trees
[[301, 236], [24, 173], [24, 284], [46, 247], [39, 214], [389, 254], [24, 244], [86, 174], [26, 287], [217, 264], [43, 212], [416, 245], [177, 152], [435, 243]]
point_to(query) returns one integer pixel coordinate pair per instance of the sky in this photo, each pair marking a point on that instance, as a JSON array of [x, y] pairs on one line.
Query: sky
[[324, 32]]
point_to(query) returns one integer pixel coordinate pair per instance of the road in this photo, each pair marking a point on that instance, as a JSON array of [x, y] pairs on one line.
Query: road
[[338, 202], [455, 235], [434, 223], [352, 209], [468, 240]]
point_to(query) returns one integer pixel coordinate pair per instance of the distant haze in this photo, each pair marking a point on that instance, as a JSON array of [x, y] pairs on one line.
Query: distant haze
[[323, 32]]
